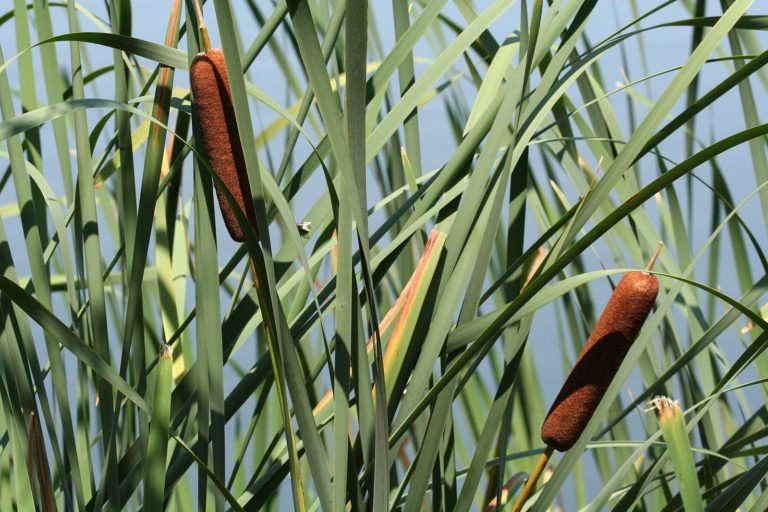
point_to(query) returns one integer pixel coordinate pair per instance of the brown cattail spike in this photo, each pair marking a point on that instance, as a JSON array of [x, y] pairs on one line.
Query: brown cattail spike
[[600, 359], [216, 115]]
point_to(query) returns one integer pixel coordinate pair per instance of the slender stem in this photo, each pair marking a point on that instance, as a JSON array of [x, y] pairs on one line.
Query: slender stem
[[530, 485], [270, 330], [653, 258], [203, 28]]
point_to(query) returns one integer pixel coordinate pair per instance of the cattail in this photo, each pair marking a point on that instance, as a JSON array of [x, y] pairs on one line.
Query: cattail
[[616, 330], [216, 115], [600, 359]]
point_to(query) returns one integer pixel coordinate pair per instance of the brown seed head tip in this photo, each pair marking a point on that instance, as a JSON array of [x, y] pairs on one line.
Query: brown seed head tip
[[215, 114], [614, 333]]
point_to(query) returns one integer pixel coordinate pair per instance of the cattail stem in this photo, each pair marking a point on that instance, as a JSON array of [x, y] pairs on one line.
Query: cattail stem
[[530, 485], [270, 329], [652, 261], [203, 28], [205, 38]]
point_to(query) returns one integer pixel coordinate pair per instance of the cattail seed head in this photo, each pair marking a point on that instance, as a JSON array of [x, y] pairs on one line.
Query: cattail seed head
[[215, 113], [616, 330]]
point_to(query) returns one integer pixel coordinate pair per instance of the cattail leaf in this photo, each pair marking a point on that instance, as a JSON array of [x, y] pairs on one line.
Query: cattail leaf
[[653, 120], [71, 341], [678, 445], [493, 420], [54, 87], [405, 106], [492, 80], [12, 405], [414, 295], [760, 503], [35, 254], [406, 75], [401, 318], [159, 53], [487, 224], [157, 444]]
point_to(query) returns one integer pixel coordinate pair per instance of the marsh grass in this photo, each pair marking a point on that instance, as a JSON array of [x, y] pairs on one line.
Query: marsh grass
[[476, 182]]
